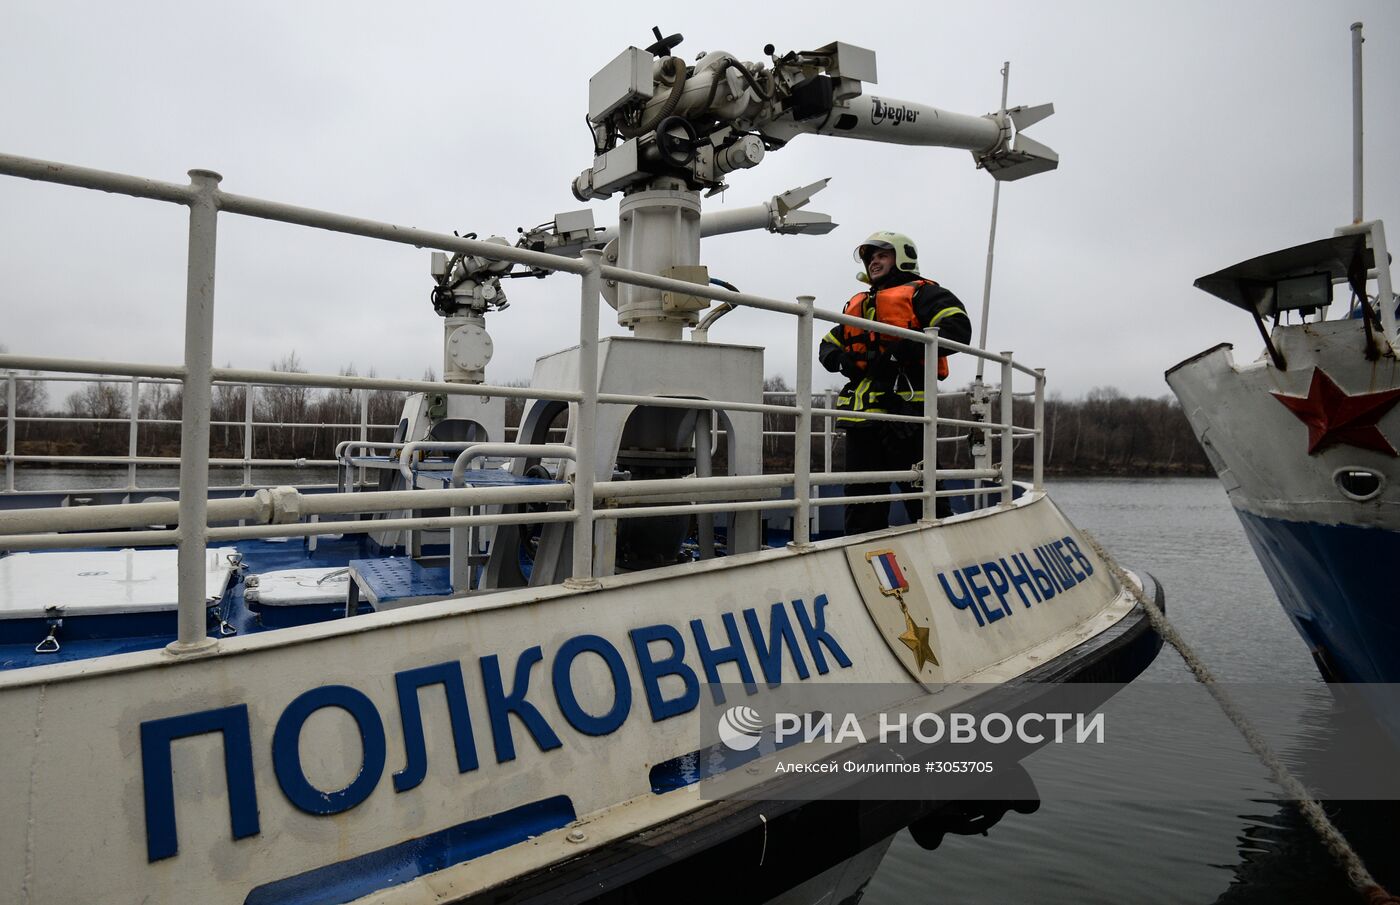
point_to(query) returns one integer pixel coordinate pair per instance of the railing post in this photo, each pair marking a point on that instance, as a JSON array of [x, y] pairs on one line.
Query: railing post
[[1008, 438], [931, 426], [1038, 466], [247, 436], [585, 432], [131, 445], [11, 397], [364, 432], [802, 430], [828, 434], [704, 468], [194, 413]]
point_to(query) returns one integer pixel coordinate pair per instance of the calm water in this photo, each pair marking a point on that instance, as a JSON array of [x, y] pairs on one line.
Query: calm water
[[1239, 847], [1248, 849]]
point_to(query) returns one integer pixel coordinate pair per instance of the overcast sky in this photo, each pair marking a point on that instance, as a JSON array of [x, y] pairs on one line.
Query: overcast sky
[[1191, 135]]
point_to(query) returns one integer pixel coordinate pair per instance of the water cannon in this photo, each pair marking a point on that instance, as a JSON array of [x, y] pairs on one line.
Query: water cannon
[[784, 214], [656, 119], [465, 287], [664, 131]]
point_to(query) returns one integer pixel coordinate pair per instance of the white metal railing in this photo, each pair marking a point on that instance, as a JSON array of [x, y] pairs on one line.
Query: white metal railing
[[278, 512], [249, 425], [135, 421], [830, 434]]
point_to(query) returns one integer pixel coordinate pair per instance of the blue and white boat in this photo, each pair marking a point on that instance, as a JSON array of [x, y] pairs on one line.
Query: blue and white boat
[[476, 667], [1306, 439]]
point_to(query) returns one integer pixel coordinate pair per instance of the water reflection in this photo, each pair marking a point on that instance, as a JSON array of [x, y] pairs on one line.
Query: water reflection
[[1243, 847]]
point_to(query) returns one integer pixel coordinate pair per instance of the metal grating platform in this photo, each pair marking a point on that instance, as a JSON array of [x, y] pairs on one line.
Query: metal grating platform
[[397, 581]]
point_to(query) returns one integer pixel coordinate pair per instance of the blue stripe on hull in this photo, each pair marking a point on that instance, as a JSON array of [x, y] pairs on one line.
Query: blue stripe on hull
[[1334, 581], [366, 874]]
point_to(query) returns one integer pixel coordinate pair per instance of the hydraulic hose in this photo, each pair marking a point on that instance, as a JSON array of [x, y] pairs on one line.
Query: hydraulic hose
[[667, 107], [731, 63], [702, 330]]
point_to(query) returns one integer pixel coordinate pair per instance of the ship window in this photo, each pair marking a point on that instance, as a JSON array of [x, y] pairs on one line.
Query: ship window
[[1359, 483], [1304, 293]]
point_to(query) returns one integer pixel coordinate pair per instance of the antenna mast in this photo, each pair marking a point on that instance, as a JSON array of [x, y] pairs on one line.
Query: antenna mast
[[1356, 163], [992, 239]]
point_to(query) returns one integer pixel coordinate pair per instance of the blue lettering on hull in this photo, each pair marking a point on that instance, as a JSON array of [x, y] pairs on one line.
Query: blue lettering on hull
[[991, 590], [664, 662]]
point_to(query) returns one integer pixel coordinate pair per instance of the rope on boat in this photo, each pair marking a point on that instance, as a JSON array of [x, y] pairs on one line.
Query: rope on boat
[[1332, 838]]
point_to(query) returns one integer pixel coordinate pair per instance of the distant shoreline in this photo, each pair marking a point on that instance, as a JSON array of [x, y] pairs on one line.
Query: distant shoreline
[[1104, 434]]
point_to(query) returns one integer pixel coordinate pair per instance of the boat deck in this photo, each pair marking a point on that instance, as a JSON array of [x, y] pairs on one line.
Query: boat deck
[[63, 579], [253, 585]]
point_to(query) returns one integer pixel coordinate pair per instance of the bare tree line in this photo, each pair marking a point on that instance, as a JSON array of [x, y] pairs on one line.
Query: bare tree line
[[290, 422], [1103, 433]]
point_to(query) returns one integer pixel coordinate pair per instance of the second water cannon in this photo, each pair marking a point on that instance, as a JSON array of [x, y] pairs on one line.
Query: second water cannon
[[465, 288]]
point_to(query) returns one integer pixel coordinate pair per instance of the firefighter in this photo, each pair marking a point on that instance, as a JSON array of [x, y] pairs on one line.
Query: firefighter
[[885, 373]]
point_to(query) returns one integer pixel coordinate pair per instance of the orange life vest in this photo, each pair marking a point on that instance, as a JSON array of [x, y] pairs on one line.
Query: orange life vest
[[893, 306]]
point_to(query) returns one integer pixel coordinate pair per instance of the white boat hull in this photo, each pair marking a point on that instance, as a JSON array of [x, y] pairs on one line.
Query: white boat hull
[[248, 773]]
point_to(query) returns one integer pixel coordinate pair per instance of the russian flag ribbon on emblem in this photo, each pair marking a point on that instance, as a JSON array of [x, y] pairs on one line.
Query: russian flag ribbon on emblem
[[888, 573]]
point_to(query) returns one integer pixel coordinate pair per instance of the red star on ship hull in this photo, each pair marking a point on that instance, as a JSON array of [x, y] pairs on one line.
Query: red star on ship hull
[[1334, 418]]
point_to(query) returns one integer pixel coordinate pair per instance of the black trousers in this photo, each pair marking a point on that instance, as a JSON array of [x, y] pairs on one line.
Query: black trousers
[[882, 446]]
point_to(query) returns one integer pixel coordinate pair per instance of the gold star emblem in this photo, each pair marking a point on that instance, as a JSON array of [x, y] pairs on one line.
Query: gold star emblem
[[915, 638]]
